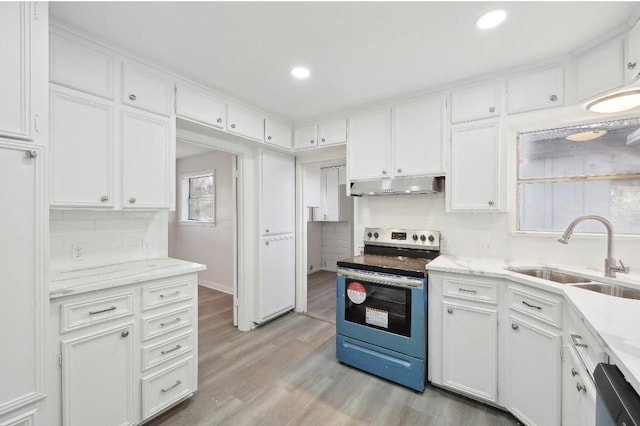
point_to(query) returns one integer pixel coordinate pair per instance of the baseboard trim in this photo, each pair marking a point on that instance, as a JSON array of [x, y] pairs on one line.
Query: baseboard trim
[[215, 286]]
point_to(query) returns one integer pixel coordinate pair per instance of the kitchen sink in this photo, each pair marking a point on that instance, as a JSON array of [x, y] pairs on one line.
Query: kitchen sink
[[612, 290], [549, 274]]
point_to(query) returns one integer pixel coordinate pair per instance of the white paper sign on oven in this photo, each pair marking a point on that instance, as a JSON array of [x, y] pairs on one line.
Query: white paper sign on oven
[[377, 317]]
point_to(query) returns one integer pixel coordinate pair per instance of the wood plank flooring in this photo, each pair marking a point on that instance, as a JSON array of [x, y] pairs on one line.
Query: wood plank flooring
[[285, 373], [321, 295]]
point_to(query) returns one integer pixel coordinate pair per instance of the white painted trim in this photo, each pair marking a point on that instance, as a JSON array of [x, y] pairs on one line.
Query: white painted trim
[[215, 286]]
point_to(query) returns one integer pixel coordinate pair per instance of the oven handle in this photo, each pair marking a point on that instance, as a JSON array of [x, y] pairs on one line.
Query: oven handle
[[385, 280]]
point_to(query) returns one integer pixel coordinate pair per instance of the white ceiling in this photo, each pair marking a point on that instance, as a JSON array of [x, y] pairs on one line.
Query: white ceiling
[[358, 52]]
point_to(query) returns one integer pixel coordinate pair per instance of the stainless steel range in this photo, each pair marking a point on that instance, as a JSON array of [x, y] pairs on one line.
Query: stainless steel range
[[381, 308]]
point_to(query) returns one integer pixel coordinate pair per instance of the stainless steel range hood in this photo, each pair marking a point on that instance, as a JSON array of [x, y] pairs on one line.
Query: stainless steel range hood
[[398, 186]]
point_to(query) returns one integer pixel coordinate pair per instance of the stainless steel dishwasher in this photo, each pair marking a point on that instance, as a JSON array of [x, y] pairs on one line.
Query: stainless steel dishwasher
[[617, 403]]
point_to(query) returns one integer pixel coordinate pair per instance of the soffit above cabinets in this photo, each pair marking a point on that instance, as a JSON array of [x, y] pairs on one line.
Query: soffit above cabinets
[[358, 52]]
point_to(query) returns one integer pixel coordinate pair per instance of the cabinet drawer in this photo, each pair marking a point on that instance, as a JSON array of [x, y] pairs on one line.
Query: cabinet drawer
[[166, 350], [166, 293], [164, 323], [535, 304], [585, 344], [144, 89], [94, 311], [471, 290], [166, 387]]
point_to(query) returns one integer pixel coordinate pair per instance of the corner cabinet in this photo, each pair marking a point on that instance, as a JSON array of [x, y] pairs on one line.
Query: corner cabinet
[[476, 170]]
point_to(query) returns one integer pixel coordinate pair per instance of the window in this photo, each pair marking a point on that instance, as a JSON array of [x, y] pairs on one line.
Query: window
[[572, 171], [198, 204]]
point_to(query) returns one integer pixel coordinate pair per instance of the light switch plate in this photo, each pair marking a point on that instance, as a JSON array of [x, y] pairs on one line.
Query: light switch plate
[[78, 251]]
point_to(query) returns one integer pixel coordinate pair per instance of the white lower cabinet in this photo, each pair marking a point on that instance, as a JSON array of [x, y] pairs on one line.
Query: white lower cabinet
[[578, 392], [533, 372], [470, 350]]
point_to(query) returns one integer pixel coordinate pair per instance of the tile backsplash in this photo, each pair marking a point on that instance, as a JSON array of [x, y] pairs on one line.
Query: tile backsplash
[[83, 238]]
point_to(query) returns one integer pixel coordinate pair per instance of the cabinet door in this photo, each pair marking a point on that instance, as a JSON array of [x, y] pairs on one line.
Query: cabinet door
[[146, 160], [470, 350], [277, 276], [277, 193], [533, 368], [15, 83], [305, 137], [82, 140], [98, 379], [196, 105], [368, 147], [417, 137], [329, 191], [474, 177], [633, 52], [245, 122], [332, 132], [21, 271], [147, 90], [475, 103], [539, 90], [601, 69], [277, 134], [578, 392]]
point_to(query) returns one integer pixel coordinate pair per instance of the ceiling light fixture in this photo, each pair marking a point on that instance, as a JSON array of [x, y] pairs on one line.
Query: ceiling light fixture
[[491, 19], [300, 72], [617, 102], [586, 136]]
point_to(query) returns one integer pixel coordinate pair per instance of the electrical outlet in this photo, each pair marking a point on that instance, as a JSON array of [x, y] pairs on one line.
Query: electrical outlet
[[146, 247], [78, 251]]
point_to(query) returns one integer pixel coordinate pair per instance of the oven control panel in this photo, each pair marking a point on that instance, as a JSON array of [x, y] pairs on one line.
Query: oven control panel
[[417, 238]]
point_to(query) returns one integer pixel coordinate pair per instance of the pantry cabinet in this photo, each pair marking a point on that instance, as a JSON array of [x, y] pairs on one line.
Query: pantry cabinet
[[538, 90], [245, 122], [198, 105]]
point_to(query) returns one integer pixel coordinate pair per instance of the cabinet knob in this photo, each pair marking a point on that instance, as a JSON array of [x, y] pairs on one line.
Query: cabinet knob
[[553, 98], [631, 65], [132, 200], [514, 326], [104, 198], [125, 333], [492, 109], [266, 230], [450, 310], [491, 202], [311, 141], [132, 97], [219, 120], [384, 172], [399, 170], [31, 154], [268, 138], [323, 140], [581, 387], [266, 243], [574, 373], [233, 126]]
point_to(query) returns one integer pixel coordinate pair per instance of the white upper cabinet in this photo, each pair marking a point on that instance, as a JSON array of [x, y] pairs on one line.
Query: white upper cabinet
[[305, 137], [245, 122], [146, 160], [146, 89], [82, 141], [476, 103], [543, 89], [633, 53], [416, 147], [276, 133], [601, 69], [368, 147], [22, 48], [332, 132], [277, 193], [197, 105], [474, 182], [81, 66]]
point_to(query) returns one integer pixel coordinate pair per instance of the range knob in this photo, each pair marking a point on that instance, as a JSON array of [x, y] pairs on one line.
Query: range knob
[[422, 238], [415, 237], [369, 234], [375, 235], [431, 238]]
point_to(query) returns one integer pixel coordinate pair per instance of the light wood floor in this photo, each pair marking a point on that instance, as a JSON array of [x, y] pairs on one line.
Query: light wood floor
[[286, 373], [321, 295]]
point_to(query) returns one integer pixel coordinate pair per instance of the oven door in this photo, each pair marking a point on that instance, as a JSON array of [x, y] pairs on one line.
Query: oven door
[[384, 310]]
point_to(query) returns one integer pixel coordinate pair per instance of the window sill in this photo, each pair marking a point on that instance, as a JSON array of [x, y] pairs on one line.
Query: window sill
[[196, 223]]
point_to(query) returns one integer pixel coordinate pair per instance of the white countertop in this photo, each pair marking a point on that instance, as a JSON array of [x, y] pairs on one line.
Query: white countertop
[[76, 281], [614, 320]]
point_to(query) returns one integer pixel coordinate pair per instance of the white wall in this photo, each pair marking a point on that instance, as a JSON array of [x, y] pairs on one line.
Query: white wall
[[106, 236], [208, 245]]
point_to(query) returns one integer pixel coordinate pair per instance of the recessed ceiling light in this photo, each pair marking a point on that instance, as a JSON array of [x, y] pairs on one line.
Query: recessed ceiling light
[[300, 72], [491, 19], [617, 102], [586, 136]]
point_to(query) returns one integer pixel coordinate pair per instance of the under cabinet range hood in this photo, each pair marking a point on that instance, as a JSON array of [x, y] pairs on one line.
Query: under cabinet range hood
[[398, 186]]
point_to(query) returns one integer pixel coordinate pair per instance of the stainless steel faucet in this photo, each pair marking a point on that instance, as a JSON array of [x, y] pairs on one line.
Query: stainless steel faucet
[[610, 264]]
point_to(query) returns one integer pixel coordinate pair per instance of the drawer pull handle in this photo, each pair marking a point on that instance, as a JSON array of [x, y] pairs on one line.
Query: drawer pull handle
[[168, 351], [528, 305], [177, 383], [102, 311], [175, 293], [464, 290], [162, 324], [574, 340]]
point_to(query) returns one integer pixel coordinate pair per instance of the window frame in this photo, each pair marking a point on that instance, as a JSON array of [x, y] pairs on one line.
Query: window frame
[[185, 197]]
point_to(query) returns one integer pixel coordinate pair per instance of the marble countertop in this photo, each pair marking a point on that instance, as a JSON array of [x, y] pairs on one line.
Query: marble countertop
[[613, 320], [76, 281]]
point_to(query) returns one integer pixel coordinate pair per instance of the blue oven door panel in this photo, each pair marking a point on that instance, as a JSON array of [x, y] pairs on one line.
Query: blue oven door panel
[[396, 367], [414, 346]]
